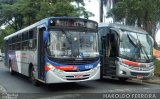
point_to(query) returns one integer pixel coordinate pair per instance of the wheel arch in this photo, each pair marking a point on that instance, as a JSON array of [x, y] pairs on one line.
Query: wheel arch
[[29, 69]]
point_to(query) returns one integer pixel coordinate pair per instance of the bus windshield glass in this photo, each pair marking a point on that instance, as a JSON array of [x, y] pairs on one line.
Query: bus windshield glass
[[136, 47], [72, 44]]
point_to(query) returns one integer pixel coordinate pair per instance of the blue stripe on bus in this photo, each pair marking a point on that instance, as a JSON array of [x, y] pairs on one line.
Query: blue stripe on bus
[[80, 67]]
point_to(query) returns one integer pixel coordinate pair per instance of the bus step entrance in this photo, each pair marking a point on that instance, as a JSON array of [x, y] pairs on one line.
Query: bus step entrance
[[109, 67]]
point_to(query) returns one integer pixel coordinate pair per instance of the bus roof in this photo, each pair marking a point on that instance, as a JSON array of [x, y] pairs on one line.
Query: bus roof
[[123, 27], [43, 21]]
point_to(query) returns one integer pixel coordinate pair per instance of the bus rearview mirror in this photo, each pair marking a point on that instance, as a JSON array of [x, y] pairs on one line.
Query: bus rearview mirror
[[120, 36], [151, 40], [45, 37]]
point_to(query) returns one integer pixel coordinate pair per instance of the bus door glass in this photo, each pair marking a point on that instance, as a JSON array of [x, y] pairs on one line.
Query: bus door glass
[[112, 47], [41, 53], [104, 45]]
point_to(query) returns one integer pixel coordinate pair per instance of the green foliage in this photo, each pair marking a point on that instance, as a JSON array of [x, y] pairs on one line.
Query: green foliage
[[17, 14], [157, 67], [3, 33], [7, 1], [25, 12], [146, 12]]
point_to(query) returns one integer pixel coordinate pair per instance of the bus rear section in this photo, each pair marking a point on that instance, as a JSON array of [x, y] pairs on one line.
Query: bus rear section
[[65, 50], [126, 52]]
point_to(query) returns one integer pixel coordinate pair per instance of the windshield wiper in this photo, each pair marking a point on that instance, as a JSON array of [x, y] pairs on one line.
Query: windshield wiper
[[133, 41], [74, 48], [138, 45], [68, 38], [143, 47]]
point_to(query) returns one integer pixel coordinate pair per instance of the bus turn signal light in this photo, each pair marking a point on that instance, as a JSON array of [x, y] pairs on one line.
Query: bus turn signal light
[[68, 67], [48, 67]]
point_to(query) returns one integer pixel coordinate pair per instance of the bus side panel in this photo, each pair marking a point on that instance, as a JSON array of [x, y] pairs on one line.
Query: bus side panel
[[18, 60], [24, 62], [12, 60], [24, 58], [33, 59]]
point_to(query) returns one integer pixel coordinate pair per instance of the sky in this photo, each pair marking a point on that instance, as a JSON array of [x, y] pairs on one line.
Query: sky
[[93, 6], [158, 37]]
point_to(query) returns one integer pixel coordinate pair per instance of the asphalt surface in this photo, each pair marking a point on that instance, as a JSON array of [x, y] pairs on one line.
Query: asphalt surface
[[19, 87]]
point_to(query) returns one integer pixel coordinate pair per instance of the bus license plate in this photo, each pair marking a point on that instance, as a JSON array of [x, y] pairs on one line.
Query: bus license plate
[[78, 76], [139, 77]]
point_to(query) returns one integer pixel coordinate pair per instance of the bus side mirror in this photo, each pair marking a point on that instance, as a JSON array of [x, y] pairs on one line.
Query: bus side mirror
[[45, 37], [120, 33], [152, 41]]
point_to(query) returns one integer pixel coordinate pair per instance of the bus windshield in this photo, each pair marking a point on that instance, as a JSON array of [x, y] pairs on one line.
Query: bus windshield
[[72, 44], [136, 47]]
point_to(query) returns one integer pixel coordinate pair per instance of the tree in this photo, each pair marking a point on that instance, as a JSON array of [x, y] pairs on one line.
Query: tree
[[25, 12], [17, 14], [7, 1], [83, 12], [144, 13], [3, 33]]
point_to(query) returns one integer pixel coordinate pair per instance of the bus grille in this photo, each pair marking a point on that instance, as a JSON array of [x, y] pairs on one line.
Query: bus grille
[[73, 61], [78, 78], [139, 74], [141, 68], [76, 70]]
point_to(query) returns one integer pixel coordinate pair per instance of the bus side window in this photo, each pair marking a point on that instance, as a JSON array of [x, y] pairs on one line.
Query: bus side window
[[31, 34], [32, 39], [25, 41], [19, 41]]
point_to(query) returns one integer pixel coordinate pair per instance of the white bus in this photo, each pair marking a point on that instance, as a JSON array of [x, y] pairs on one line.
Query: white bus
[[127, 52], [55, 50]]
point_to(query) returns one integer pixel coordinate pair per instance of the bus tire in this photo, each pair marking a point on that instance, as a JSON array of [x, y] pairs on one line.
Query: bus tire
[[10, 69], [122, 79], [32, 77]]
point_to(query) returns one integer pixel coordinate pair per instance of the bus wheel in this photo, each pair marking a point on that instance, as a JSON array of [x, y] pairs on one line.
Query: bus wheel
[[32, 77], [10, 69], [122, 79]]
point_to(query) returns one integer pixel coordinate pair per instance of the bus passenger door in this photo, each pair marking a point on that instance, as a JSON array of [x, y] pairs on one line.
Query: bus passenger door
[[103, 52], [110, 54], [41, 54]]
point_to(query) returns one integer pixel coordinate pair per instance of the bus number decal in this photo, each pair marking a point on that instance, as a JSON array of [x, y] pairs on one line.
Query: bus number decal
[[88, 66]]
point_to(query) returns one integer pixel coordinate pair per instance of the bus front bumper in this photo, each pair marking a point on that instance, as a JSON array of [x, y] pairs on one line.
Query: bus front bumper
[[126, 72], [53, 77]]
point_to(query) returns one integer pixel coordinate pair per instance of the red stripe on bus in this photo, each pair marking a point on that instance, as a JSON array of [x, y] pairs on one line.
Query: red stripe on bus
[[131, 63], [46, 68], [68, 67]]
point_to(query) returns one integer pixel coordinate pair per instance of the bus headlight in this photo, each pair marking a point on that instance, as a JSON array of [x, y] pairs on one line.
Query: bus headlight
[[57, 71], [98, 65], [96, 68], [52, 68]]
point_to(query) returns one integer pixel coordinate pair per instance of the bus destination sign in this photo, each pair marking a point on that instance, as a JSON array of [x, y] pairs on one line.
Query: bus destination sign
[[73, 23]]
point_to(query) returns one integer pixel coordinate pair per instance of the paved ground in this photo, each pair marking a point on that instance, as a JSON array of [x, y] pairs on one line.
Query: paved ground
[[153, 80], [21, 87]]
